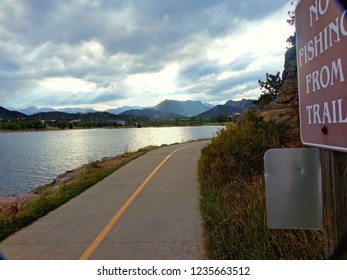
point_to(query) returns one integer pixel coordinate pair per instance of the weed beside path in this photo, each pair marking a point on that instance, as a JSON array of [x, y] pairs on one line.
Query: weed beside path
[[233, 196]]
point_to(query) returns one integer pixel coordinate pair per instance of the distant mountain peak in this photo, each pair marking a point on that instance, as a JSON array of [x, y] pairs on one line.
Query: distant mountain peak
[[187, 108], [31, 110], [228, 109], [122, 109]]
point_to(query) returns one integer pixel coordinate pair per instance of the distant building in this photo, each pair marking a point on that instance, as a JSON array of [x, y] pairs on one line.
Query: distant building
[[76, 121], [119, 122]]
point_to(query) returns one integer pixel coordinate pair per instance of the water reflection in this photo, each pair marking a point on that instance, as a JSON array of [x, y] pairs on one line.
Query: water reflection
[[31, 159]]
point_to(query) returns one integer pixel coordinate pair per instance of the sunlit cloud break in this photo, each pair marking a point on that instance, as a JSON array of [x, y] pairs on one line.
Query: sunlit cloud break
[[104, 55]]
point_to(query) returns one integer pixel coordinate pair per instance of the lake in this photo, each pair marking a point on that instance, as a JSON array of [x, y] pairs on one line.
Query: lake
[[31, 159]]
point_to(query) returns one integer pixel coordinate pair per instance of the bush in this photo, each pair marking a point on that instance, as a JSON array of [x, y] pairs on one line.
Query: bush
[[233, 196], [237, 151]]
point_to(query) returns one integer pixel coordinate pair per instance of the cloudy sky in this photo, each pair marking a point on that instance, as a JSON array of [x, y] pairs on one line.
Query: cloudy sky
[[107, 54]]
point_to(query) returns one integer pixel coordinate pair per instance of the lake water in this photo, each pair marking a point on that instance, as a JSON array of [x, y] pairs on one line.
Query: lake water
[[32, 159]]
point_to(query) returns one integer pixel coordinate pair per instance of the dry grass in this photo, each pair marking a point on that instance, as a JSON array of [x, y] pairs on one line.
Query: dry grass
[[233, 197]]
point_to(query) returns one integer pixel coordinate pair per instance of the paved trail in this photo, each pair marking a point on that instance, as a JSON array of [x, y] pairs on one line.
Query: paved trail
[[148, 209]]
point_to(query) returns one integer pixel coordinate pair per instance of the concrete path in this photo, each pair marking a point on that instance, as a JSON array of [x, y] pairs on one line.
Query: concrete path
[[160, 221]]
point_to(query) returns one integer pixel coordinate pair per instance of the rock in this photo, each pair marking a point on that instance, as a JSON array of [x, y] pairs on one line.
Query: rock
[[8, 210], [108, 158], [278, 115], [61, 179], [289, 94], [288, 116], [10, 205], [7, 199], [23, 199]]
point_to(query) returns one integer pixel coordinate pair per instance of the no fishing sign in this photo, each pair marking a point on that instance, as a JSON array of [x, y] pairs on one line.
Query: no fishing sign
[[321, 34]]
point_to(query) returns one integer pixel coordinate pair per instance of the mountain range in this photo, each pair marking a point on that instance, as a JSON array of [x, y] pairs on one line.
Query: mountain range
[[184, 108], [228, 109], [7, 114], [34, 110], [167, 109], [120, 110], [152, 113]]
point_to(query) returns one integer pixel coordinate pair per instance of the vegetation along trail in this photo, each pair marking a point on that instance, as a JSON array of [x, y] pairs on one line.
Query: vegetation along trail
[[148, 209]]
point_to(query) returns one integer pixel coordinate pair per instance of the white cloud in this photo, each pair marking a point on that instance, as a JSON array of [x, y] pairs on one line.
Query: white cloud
[[67, 84], [263, 40], [249, 94], [163, 81], [92, 50]]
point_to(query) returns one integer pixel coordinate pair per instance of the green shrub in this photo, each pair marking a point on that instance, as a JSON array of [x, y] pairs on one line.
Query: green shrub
[[237, 151]]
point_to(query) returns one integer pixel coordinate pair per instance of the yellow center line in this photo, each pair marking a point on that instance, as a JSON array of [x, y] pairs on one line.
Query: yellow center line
[[101, 236]]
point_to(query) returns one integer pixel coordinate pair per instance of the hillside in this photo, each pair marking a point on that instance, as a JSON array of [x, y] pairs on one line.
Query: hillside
[[240, 105], [55, 115], [95, 117], [184, 108], [151, 114], [228, 109], [120, 110], [8, 115], [165, 110], [32, 110]]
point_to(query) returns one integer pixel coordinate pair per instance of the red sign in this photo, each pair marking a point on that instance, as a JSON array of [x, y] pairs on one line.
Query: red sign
[[321, 36]]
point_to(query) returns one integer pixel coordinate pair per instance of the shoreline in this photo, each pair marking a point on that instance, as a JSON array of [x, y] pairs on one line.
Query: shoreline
[[11, 205], [107, 127], [19, 211], [60, 129]]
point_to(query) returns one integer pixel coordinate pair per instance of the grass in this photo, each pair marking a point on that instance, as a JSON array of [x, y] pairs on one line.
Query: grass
[[232, 199], [51, 198]]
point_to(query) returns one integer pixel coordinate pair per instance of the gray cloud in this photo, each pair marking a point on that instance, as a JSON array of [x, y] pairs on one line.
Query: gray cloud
[[105, 42]]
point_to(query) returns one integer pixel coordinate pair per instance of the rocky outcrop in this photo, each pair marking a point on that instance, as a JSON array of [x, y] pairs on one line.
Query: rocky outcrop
[[285, 108], [288, 96]]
